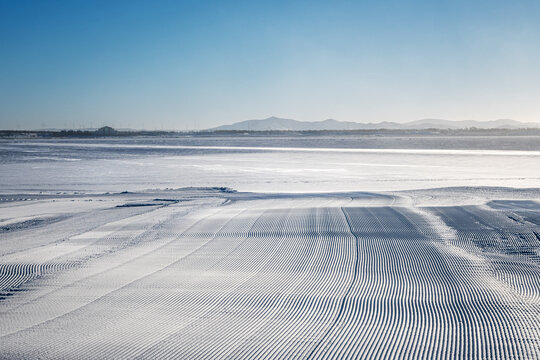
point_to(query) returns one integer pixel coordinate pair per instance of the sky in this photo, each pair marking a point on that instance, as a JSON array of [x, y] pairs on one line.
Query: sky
[[197, 64]]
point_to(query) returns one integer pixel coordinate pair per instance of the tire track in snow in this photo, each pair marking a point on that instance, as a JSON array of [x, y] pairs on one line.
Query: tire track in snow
[[346, 295]]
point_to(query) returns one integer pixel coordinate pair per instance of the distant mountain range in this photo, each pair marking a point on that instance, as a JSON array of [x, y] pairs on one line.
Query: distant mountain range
[[277, 124]]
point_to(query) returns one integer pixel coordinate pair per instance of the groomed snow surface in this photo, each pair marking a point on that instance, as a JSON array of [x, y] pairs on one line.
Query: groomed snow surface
[[204, 273]]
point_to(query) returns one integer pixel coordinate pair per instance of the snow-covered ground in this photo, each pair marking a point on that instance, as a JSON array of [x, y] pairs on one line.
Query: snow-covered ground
[[349, 271], [264, 165]]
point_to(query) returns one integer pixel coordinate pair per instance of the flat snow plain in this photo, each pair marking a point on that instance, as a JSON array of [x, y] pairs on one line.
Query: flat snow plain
[[90, 271], [269, 164]]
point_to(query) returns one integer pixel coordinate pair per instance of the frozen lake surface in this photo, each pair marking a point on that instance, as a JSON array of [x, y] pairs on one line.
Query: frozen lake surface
[[325, 252], [262, 164]]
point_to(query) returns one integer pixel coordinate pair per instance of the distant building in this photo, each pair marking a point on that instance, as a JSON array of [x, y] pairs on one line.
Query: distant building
[[106, 131]]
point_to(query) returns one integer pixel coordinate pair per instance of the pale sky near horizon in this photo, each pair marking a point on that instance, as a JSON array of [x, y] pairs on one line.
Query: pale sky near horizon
[[198, 64]]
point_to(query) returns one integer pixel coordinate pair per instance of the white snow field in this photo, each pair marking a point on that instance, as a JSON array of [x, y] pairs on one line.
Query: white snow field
[[263, 165], [139, 248], [207, 273]]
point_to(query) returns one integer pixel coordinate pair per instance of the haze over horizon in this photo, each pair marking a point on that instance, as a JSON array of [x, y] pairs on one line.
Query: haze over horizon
[[192, 65]]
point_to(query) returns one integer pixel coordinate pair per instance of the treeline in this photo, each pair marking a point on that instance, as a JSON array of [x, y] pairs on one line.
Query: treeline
[[78, 133], [380, 132], [110, 132]]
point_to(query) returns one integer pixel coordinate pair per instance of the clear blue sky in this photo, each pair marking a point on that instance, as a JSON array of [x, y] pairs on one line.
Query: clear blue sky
[[197, 64]]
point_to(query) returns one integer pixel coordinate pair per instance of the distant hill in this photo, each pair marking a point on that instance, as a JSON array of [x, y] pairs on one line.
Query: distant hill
[[449, 124], [277, 124]]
